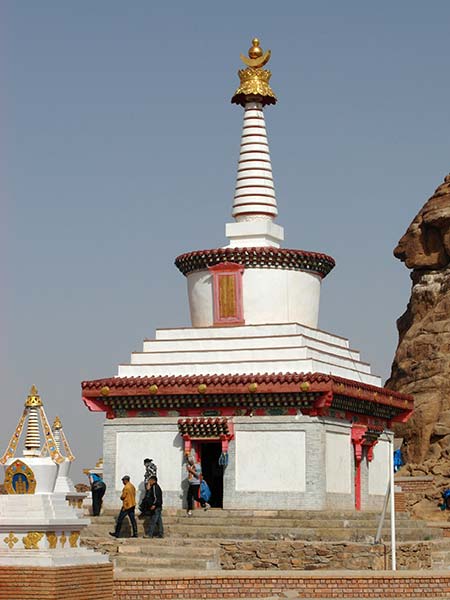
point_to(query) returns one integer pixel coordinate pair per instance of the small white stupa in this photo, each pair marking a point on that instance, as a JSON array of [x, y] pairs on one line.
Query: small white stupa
[[37, 525], [63, 483]]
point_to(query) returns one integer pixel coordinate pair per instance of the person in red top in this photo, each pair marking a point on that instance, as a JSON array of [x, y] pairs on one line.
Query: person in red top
[[128, 498]]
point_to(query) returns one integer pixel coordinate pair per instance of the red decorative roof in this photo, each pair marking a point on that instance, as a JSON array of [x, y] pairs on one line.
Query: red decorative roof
[[258, 383], [205, 427], [258, 257]]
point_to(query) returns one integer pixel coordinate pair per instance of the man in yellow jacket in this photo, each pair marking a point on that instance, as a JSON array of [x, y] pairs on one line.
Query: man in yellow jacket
[[128, 498]]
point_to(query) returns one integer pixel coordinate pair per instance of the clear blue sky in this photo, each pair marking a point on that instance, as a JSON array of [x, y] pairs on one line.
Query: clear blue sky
[[119, 151]]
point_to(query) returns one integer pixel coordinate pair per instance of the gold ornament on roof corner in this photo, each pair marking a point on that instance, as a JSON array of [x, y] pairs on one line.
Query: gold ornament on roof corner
[[33, 398], [254, 79]]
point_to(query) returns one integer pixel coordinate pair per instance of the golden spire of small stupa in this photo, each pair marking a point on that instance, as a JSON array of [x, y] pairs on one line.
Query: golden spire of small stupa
[[60, 439], [35, 419], [57, 424], [254, 79]]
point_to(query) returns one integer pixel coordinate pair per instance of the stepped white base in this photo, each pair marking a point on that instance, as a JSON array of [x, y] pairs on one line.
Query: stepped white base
[[63, 483], [52, 558], [283, 348], [22, 516]]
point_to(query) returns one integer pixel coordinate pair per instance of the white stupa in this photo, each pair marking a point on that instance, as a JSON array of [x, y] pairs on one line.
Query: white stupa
[[37, 525], [278, 411]]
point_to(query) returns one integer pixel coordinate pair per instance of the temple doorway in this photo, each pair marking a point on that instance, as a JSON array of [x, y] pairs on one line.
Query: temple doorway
[[213, 472]]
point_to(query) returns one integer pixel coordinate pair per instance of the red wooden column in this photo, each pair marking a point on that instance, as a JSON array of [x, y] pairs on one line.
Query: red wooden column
[[358, 432]]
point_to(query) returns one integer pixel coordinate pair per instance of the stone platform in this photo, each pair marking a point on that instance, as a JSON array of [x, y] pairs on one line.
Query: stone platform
[[261, 540]]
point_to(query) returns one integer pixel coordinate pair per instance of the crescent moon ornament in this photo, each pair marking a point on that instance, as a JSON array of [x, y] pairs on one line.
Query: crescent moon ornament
[[256, 63], [256, 58]]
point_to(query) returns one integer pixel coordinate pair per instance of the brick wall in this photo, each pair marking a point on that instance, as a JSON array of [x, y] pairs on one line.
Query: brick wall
[[415, 485], [400, 502], [87, 582], [357, 585]]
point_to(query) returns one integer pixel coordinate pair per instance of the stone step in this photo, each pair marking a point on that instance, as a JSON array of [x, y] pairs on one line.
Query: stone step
[[157, 547], [205, 518], [210, 531], [441, 543], [307, 533], [152, 562], [279, 514], [119, 545], [208, 517], [270, 526], [292, 533], [440, 561]]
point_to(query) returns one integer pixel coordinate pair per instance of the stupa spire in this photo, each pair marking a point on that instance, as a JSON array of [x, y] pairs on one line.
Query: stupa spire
[[32, 444], [61, 441], [255, 203], [35, 420]]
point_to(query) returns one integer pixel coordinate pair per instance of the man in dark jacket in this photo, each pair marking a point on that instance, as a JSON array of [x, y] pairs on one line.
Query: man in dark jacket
[[154, 500]]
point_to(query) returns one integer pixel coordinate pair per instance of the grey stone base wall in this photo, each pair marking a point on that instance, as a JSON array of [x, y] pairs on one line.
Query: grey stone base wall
[[314, 496], [258, 555]]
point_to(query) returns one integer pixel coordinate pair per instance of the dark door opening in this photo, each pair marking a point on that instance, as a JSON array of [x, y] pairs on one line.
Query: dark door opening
[[213, 472]]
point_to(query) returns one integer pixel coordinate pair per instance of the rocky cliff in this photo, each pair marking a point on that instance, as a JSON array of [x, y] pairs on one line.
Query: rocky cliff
[[422, 362]]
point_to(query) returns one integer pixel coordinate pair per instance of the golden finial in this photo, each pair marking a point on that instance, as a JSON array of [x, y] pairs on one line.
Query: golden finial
[[33, 398], [255, 51], [254, 79], [257, 58], [57, 424]]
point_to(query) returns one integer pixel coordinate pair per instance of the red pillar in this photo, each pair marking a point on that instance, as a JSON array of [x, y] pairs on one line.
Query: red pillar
[[358, 432]]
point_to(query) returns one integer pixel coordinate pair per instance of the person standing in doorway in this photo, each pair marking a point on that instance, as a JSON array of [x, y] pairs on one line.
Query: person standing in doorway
[[128, 498], [98, 488], [154, 498], [194, 476]]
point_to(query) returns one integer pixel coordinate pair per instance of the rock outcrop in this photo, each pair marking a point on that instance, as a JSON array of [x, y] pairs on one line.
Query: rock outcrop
[[422, 362]]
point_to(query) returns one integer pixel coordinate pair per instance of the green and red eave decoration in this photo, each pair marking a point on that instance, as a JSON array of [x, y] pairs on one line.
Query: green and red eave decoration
[[314, 394]]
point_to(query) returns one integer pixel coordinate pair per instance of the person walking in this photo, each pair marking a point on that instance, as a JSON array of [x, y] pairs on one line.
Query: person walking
[[154, 499], [98, 488], [128, 498], [151, 470], [194, 476]]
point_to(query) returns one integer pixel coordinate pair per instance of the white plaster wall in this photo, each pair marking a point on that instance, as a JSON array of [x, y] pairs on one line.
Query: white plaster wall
[[164, 447], [379, 468], [338, 463], [270, 461], [200, 296], [269, 296]]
